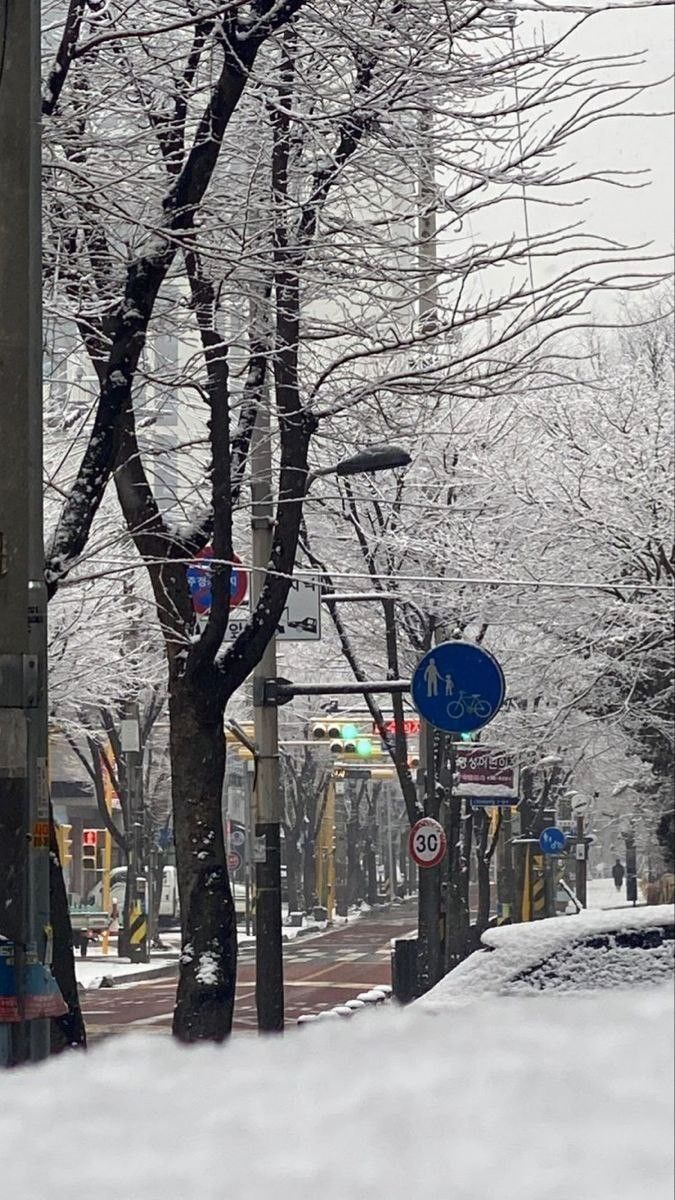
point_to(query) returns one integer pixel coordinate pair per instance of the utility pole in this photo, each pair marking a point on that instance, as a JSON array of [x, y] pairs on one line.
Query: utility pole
[[580, 863], [427, 201], [268, 944], [136, 942], [24, 799]]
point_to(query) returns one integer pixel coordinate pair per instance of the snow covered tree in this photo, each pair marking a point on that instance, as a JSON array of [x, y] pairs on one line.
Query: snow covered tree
[[247, 182]]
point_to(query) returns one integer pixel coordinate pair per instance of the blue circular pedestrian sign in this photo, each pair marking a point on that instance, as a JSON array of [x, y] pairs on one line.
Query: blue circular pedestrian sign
[[552, 840], [458, 687]]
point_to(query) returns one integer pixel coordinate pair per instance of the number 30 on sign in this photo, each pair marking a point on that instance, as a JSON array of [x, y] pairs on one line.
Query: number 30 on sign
[[426, 842]]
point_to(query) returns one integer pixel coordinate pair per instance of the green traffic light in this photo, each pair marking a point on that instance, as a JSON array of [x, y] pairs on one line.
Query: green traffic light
[[466, 737], [349, 732], [364, 747]]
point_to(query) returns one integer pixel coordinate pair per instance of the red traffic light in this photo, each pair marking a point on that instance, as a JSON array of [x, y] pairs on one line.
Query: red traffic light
[[89, 837]]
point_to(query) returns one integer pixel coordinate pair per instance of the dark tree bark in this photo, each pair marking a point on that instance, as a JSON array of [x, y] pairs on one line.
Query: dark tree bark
[[309, 874], [204, 1002], [482, 830], [68, 1031]]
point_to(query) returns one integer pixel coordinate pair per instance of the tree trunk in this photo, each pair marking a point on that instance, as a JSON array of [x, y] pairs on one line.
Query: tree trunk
[[206, 985], [457, 913], [353, 865], [482, 829], [68, 1030], [429, 956], [309, 874], [371, 872]]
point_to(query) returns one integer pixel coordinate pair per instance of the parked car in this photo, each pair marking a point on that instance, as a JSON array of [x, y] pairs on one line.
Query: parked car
[[616, 948]]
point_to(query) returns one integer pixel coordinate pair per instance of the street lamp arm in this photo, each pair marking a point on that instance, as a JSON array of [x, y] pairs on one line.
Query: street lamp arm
[[274, 692]]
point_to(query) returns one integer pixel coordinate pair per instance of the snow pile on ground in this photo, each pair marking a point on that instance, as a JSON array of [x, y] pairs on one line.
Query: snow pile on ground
[[90, 971], [510, 1099], [513, 949]]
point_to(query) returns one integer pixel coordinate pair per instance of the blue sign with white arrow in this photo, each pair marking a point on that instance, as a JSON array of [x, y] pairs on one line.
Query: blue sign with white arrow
[[552, 840], [458, 687]]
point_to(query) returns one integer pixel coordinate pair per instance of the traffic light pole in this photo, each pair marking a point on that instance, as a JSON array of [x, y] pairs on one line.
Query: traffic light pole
[[24, 801]]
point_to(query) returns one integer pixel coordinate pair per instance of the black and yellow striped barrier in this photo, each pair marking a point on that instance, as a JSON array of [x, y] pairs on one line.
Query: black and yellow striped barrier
[[138, 934], [538, 887]]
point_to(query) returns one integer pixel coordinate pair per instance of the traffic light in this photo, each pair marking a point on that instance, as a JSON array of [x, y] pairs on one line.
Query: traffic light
[[65, 843], [346, 738], [466, 737], [89, 844], [325, 729]]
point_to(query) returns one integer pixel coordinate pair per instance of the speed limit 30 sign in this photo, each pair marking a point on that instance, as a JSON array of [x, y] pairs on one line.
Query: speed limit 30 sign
[[427, 842]]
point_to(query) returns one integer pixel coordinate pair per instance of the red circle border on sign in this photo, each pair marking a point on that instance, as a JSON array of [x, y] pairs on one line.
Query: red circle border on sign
[[239, 593], [425, 823]]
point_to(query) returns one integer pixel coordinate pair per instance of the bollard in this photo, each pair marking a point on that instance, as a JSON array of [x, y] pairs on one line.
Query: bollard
[[404, 970]]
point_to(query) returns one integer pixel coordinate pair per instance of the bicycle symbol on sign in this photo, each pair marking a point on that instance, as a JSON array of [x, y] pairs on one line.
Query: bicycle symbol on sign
[[468, 704]]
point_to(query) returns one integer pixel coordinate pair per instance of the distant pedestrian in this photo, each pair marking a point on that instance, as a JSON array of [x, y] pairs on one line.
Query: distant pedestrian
[[618, 873]]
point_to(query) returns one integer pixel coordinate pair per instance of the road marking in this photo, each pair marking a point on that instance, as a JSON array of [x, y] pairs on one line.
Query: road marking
[[326, 983]]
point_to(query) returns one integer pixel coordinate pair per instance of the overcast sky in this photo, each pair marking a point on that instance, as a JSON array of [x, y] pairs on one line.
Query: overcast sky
[[635, 144]]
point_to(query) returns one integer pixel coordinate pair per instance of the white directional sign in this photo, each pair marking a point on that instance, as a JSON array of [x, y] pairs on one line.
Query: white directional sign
[[300, 620], [427, 842]]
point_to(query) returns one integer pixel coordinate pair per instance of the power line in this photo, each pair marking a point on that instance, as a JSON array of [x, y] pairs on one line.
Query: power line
[[456, 580]]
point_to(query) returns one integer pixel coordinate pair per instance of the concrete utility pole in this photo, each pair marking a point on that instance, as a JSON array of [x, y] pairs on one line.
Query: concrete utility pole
[[24, 799], [136, 943], [267, 796], [268, 692], [581, 860]]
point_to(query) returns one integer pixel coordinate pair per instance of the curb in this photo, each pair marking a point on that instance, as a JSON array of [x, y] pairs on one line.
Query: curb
[[163, 972], [378, 996]]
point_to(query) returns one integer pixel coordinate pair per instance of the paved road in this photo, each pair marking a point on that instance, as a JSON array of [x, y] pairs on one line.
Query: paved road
[[319, 972]]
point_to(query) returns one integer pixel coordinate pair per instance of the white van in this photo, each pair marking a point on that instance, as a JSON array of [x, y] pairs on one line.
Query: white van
[[169, 904], [169, 907]]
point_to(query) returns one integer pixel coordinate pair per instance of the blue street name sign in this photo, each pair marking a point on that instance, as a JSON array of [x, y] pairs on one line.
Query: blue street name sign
[[552, 840], [493, 801], [458, 687]]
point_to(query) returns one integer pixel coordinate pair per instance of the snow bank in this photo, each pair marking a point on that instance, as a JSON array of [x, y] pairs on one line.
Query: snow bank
[[90, 970], [509, 1099], [515, 948]]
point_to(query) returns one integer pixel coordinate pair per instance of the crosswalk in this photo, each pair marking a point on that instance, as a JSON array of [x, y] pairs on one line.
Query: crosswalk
[[319, 972]]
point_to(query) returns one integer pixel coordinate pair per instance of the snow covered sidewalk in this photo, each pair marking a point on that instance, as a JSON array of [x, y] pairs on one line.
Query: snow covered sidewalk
[[601, 893], [509, 1099], [90, 971]]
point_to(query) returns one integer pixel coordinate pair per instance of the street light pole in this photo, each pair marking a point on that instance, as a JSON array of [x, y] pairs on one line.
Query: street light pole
[[24, 800], [267, 791]]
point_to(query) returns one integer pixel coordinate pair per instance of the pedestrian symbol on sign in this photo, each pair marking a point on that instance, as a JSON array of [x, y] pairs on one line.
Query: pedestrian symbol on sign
[[431, 678]]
